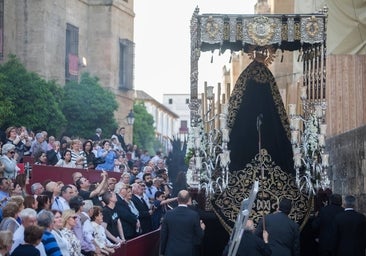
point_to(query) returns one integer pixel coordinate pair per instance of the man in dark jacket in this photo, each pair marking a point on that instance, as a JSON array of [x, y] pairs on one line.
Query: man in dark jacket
[[324, 224], [349, 230], [181, 229], [284, 238]]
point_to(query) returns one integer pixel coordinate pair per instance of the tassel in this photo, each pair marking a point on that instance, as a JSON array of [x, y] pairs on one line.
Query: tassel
[[298, 57]]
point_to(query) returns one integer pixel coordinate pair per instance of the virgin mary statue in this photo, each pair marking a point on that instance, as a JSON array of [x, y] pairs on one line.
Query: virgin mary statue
[[260, 149]]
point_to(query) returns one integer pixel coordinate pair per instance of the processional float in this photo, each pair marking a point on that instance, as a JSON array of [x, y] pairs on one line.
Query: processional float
[[249, 137]]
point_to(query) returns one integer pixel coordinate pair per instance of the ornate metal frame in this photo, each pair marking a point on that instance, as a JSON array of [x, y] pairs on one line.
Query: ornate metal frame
[[255, 34], [305, 33]]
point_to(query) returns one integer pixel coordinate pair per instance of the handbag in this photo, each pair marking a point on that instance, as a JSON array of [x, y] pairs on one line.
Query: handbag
[[99, 160]]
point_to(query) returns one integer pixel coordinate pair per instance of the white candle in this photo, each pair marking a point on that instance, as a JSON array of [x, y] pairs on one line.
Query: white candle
[[292, 109], [294, 137], [294, 124], [225, 158], [323, 129], [196, 132], [325, 160], [303, 93], [198, 160], [296, 150], [321, 140], [197, 142], [297, 160], [222, 122], [225, 135]]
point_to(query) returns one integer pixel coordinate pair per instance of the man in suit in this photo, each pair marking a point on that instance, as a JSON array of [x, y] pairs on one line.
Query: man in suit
[[144, 211], [129, 219], [324, 224], [349, 230], [181, 229], [121, 138], [284, 239]]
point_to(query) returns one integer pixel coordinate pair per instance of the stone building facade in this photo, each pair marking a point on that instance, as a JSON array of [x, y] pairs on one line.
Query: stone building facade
[[348, 164], [54, 38]]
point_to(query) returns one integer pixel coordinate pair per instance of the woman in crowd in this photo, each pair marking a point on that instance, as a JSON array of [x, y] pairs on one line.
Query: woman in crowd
[[9, 160], [64, 145], [56, 231], [69, 221], [15, 139], [100, 238], [44, 203], [65, 161], [90, 157], [16, 189], [10, 213], [22, 180], [115, 144], [6, 241], [30, 202], [108, 155], [40, 158], [77, 154]]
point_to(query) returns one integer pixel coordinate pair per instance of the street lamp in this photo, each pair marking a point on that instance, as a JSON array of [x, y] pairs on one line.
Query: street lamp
[[130, 117]]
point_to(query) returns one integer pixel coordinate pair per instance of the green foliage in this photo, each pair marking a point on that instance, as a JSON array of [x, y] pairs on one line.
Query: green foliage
[[29, 100], [87, 105], [143, 128], [188, 156]]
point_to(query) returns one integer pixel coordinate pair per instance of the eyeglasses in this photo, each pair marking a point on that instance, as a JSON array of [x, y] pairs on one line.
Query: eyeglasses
[[74, 217], [12, 152]]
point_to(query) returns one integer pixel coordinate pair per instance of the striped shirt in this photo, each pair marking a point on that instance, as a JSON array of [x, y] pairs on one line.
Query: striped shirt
[[50, 244]]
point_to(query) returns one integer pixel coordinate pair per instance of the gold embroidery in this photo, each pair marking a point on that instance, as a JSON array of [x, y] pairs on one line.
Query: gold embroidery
[[275, 185], [212, 28], [261, 30], [312, 26]]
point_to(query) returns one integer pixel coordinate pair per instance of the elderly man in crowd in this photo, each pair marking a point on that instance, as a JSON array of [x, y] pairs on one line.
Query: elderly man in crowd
[[28, 217], [61, 203]]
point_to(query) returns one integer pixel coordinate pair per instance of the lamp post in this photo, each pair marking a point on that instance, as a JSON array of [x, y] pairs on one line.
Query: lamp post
[[130, 117]]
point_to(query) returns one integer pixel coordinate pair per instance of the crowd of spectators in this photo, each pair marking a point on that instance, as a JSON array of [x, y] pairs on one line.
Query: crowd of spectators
[[81, 218]]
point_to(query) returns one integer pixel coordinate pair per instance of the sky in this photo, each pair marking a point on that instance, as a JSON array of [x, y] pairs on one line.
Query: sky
[[162, 44]]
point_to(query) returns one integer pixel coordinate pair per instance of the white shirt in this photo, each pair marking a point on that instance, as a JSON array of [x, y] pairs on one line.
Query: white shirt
[[60, 204], [18, 238], [100, 237], [62, 243]]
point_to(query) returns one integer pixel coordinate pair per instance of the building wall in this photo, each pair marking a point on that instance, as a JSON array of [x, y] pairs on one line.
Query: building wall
[[180, 107], [165, 123], [346, 93], [35, 31], [347, 162]]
